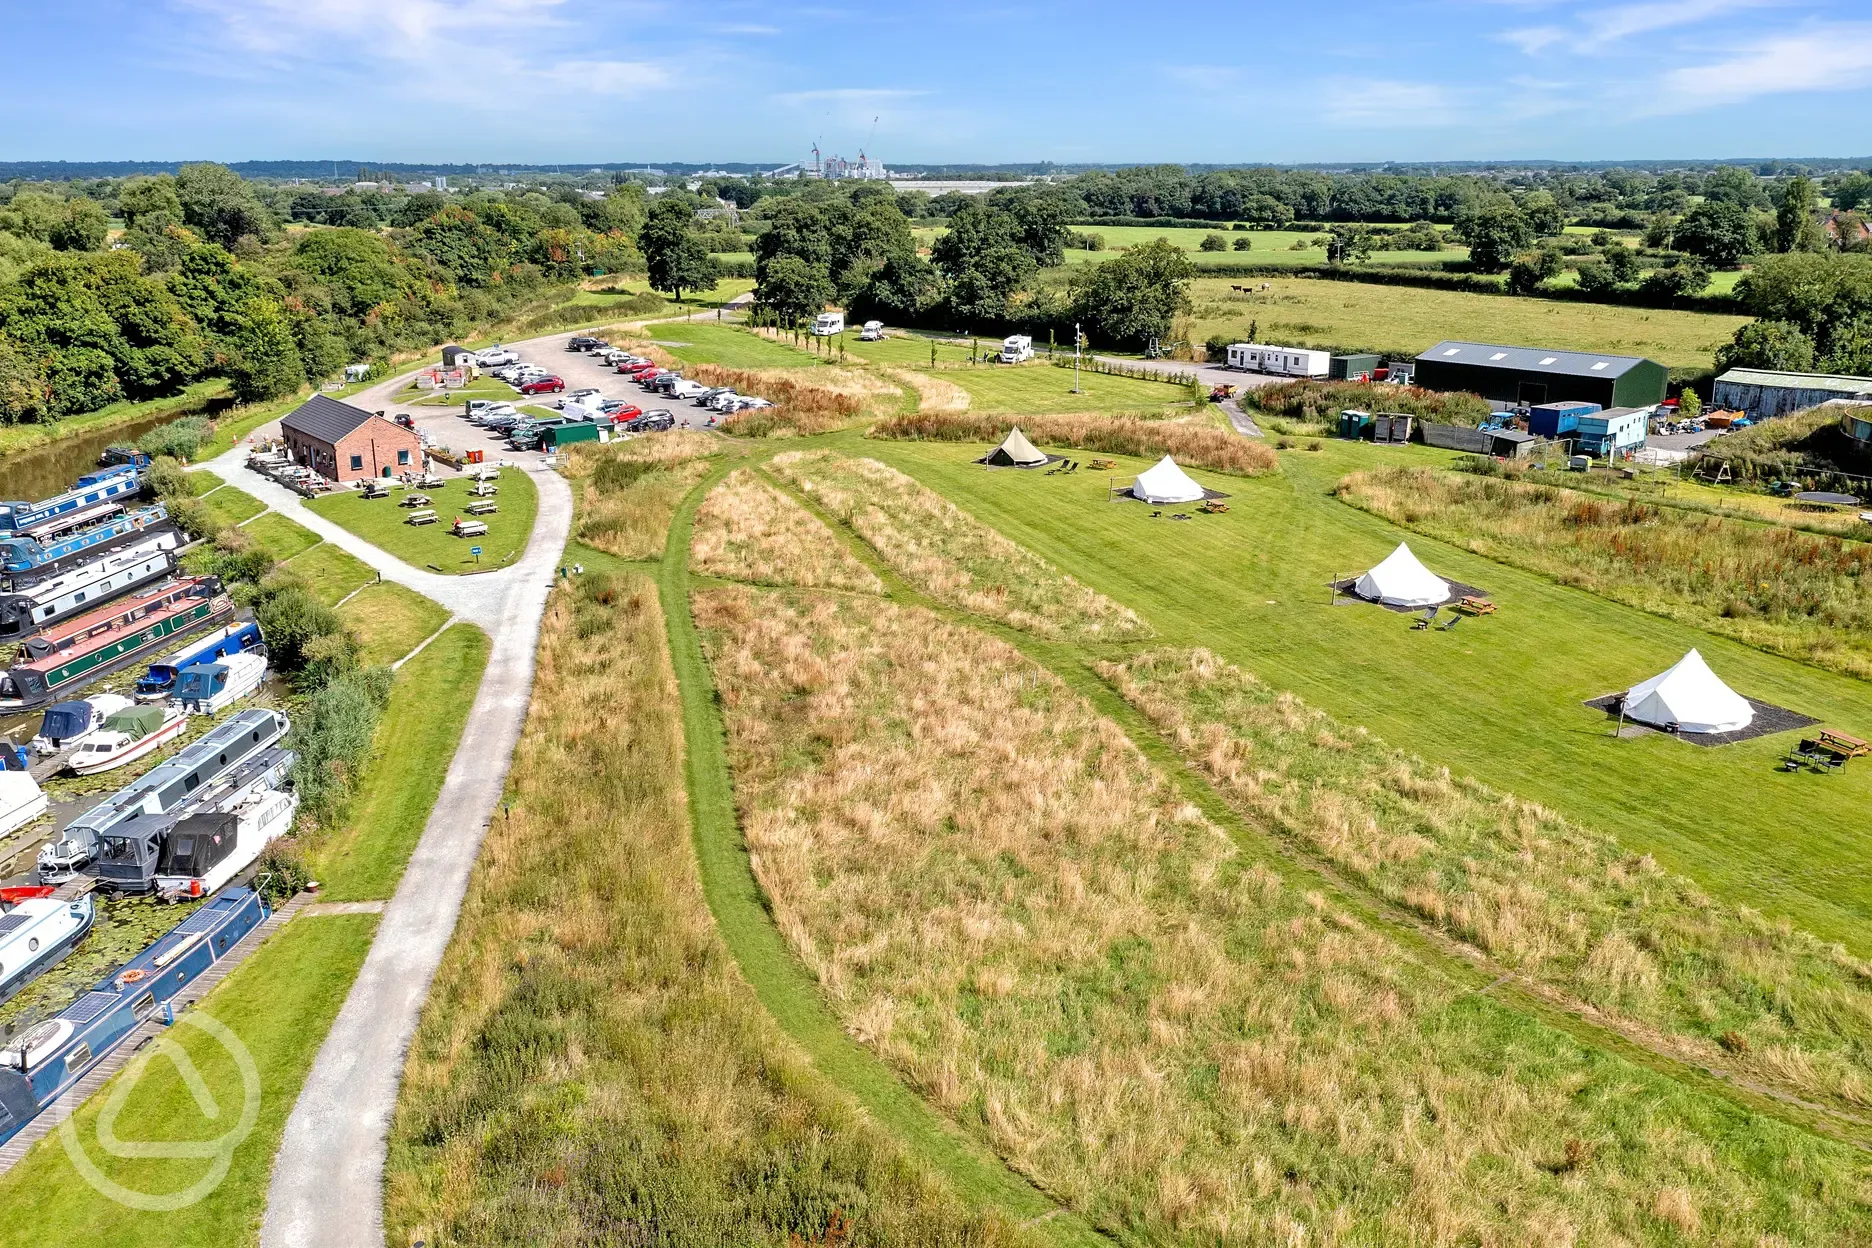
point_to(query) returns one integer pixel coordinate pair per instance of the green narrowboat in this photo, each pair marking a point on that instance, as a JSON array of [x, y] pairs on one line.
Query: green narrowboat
[[60, 660]]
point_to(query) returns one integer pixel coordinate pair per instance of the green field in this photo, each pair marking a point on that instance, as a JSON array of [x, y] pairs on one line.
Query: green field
[[231, 506], [1042, 387], [279, 1005], [391, 619], [280, 537], [911, 350], [416, 738], [380, 521], [704, 342], [1500, 698], [1404, 320], [331, 573]]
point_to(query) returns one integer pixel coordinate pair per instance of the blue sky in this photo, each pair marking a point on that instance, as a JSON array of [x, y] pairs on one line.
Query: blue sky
[[542, 81]]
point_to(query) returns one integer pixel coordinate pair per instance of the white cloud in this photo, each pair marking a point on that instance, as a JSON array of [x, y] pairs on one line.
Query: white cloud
[[1533, 39], [1818, 58], [1380, 102], [1599, 28]]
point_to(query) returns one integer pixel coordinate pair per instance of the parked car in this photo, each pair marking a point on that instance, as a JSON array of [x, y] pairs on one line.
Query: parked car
[[494, 357], [543, 385], [651, 422], [721, 401], [619, 410], [580, 342], [750, 403], [579, 396], [491, 412], [683, 388], [666, 382]]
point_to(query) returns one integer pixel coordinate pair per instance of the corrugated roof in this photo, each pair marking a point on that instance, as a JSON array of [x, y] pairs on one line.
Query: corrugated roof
[[326, 420], [1798, 381], [1530, 359]]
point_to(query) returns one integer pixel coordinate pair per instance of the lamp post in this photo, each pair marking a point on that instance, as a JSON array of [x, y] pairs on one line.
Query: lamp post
[[1078, 342]]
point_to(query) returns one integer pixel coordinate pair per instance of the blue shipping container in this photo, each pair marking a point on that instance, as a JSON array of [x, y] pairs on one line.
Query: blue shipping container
[[1553, 420]]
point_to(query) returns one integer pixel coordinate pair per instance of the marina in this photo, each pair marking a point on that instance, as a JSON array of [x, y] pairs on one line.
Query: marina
[[95, 495], [73, 654]]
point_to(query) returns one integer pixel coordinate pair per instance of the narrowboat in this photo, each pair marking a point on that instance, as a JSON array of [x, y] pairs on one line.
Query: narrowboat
[[210, 688], [159, 681], [43, 1062], [125, 455], [65, 724], [24, 558], [199, 776], [21, 800], [82, 585], [71, 654], [127, 736], [35, 935], [96, 494], [208, 848]]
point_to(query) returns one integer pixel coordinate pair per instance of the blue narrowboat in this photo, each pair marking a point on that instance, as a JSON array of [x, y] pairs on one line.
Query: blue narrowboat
[[41, 1063], [96, 494], [159, 681], [25, 560]]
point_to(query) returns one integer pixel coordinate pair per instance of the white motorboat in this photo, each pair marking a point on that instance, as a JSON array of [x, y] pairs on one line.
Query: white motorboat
[[205, 851], [66, 724], [133, 733], [210, 688], [21, 801], [35, 933]]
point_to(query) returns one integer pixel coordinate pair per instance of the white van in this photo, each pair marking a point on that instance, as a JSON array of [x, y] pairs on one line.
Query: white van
[[828, 323], [873, 331], [1017, 349]]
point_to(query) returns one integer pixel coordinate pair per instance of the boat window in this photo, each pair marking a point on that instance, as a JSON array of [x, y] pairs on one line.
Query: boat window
[[32, 945], [79, 1057], [144, 1005]]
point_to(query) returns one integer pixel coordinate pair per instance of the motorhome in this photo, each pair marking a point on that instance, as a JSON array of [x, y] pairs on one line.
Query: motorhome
[[873, 331], [1017, 349], [828, 323]]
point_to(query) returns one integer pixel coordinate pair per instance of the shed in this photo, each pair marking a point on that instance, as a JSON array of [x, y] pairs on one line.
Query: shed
[[345, 443], [1353, 367], [1555, 420], [1533, 375], [1614, 431], [1511, 443], [457, 357], [1762, 392]]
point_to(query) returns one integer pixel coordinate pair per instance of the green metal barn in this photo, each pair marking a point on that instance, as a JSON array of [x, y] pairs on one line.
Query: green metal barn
[[1530, 375]]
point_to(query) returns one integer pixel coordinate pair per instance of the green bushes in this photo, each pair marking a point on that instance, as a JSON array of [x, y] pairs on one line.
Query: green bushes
[[332, 733], [1808, 447], [1320, 402], [179, 439]]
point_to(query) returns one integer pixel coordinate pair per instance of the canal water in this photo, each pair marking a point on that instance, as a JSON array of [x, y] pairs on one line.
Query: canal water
[[47, 470]]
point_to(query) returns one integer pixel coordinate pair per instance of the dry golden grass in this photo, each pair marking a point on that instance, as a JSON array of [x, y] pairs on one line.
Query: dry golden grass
[[1799, 594], [746, 530], [1566, 908], [935, 397], [1194, 443], [591, 1069], [628, 491], [806, 401], [952, 556], [1004, 900]]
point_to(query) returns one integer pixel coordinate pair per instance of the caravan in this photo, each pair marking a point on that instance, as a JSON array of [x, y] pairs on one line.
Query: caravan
[[827, 324], [1281, 361]]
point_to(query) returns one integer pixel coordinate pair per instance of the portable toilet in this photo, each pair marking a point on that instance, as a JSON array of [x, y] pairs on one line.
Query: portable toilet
[[1557, 420], [1354, 423]]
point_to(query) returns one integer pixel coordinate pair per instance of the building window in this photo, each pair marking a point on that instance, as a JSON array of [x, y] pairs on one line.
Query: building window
[[402, 457], [357, 463]]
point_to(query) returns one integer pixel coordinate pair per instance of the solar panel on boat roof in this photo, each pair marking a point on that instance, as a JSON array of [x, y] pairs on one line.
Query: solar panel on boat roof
[[12, 922], [90, 1007], [202, 920]]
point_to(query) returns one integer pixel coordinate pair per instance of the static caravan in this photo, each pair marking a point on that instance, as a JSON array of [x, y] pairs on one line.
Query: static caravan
[[1246, 356], [1296, 362]]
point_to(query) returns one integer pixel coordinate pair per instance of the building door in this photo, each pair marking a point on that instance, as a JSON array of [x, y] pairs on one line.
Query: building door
[[386, 470], [1531, 392]]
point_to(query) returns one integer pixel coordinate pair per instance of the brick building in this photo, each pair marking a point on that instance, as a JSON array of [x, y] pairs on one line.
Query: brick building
[[347, 443]]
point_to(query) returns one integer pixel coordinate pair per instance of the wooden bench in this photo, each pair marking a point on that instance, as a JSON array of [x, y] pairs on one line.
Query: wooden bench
[[482, 507], [1473, 604], [1841, 744], [425, 516]]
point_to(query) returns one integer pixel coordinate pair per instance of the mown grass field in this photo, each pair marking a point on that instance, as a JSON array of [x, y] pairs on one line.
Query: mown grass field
[[279, 1005], [706, 342], [280, 537], [1499, 699], [381, 521], [1042, 387], [416, 739], [232, 506], [1401, 321], [330, 573], [392, 620]]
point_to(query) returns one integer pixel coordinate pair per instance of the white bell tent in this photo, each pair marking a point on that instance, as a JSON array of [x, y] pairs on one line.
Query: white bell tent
[[1164, 482], [1402, 581], [1690, 698]]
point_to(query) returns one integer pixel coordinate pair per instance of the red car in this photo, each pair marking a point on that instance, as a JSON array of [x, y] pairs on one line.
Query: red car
[[638, 366], [649, 375], [545, 385]]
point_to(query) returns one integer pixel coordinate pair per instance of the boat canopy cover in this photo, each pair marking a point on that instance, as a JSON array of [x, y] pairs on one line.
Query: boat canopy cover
[[1690, 698], [136, 722], [1015, 451], [1164, 482], [199, 679], [64, 720], [1403, 581]]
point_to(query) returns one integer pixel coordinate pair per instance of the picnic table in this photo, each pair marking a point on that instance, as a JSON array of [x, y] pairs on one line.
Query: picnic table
[[484, 489], [468, 528], [425, 516], [1474, 604], [415, 500], [376, 488], [482, 507]]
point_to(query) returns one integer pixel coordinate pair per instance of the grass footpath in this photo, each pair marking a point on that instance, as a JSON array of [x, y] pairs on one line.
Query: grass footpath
[[392, 619], [318, 958], [781, 982], [415, 741], [330, 572], [381, 522]]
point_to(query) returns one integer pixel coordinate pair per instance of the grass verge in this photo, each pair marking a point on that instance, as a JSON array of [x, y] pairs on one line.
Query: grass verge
[[282, 538], [330, 572], [415, 741], [315, 959], [15, 439], [232, 506], [382, 522], [391, 619]]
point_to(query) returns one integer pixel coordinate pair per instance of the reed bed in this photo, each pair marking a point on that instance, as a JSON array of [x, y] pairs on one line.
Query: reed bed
[[1003, 899], [1802, 595], [1589, 923], [952, 556], [628, 491], [1193, 445], [806, 401], [746, 530], [591, 1068]]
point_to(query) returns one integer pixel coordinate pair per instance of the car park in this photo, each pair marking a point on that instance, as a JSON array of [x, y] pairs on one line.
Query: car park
[[543, 385], [496, 356], [751, 403], [652, 422], [579, 396]]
